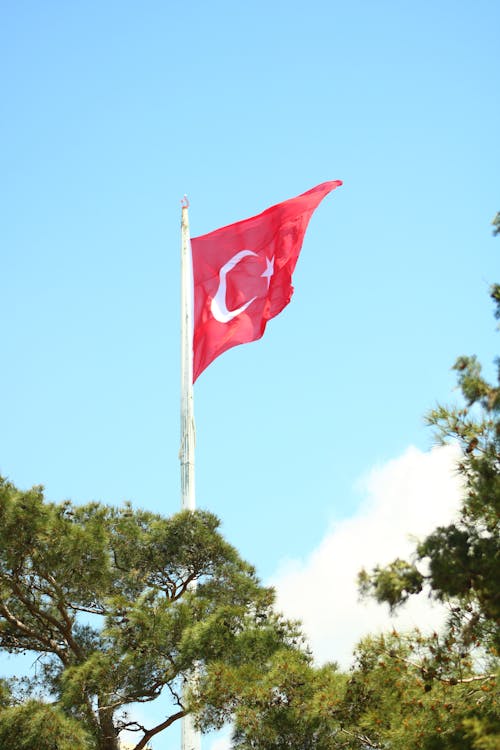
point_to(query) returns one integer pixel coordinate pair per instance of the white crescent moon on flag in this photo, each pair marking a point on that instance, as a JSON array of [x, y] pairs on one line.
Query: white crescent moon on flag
[[218, 305]]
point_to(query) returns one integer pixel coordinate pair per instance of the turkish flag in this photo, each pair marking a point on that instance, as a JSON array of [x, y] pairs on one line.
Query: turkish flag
[[243, 274]]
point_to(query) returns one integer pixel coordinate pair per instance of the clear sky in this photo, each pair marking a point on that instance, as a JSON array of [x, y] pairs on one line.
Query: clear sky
[[110, 112]]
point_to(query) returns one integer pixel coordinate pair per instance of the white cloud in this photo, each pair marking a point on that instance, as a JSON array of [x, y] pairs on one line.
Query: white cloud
[[410, 495]]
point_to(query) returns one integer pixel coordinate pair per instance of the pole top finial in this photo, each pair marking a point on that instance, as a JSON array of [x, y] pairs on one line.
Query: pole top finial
[[185, 202]]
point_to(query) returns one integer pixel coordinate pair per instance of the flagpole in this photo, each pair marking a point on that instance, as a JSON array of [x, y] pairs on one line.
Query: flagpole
[[190, 737], [186, 454]]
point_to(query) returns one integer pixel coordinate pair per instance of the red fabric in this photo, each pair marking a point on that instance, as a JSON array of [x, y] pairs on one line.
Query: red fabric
[[243, 274]]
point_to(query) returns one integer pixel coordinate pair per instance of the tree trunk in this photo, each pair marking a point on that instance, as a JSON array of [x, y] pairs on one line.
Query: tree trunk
[[108, 739]]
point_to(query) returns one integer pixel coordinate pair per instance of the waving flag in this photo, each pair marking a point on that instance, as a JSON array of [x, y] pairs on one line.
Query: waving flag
[[243, 274]]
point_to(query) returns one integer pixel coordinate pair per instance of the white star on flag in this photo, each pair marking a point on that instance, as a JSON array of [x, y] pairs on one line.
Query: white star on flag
[[269, 270]]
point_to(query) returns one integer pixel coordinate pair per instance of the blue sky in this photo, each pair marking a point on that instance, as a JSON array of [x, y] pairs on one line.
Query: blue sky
[[110, 112]]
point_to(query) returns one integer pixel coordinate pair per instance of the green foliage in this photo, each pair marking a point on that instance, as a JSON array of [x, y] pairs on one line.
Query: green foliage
[[41, 726], [393, 584], [5, 694], [289, 705], [409, 691], [396, 699], [461, 561], [496, 223], [495, 289], [122, 605], [458, 564], [393, 699]]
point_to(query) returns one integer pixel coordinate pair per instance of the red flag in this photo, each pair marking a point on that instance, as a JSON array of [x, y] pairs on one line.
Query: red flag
[[243, 274]]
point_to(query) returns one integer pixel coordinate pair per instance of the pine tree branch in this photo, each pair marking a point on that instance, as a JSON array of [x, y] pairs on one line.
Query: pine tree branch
[[366, 742], [91, 610], [445, 680], [34, 635], [184, 587], [45, 617], [159, 728]]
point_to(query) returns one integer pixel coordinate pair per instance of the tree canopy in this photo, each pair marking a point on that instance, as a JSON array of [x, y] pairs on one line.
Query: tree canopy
[[459, 563], [415, 690], [34, 724], [121, 606]]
